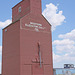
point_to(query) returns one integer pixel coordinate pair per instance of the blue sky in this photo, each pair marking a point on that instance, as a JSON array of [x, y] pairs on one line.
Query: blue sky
[[61, 14]]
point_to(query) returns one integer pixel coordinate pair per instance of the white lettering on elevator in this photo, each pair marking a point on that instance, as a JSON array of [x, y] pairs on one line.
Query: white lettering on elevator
[[37, 26]]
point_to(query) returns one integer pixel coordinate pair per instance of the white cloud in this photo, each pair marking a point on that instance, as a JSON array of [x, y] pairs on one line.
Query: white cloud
[[65, 45], [54, 16], [5, 23], [0, 58], [56, 57], [70, 35], [63, 42], [60, 60], [64, 49], [0, 49]]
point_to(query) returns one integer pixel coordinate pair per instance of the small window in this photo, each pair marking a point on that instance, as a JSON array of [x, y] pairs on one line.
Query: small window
[[68, 65], [5, 30], [19, 9], [72, 66], [64, 65]]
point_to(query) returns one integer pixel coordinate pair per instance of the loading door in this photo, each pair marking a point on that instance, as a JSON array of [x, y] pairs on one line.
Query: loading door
[[37, 66], [37, 70]]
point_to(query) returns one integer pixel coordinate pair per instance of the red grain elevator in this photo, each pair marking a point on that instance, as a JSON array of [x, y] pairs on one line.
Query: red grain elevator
[[27, 41]]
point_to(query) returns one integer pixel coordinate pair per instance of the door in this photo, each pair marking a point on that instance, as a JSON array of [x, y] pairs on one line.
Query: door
[[37, 70]]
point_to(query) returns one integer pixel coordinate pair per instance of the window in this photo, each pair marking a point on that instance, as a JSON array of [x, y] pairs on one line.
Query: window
[[19, 9], [5, 30], [64, 65], [68, 65], [72, 66]]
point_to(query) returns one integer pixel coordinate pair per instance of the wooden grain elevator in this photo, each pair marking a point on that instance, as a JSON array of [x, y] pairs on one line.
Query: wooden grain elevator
[[27, 41]]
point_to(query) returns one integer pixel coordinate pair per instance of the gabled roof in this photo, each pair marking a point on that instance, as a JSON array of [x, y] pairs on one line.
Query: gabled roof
[[46, 20]]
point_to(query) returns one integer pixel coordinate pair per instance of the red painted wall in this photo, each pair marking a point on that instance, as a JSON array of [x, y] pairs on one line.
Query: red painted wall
[[29, 38], [11, 50], [25, 9], [29, 34], [27, 6], [35, 6]]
